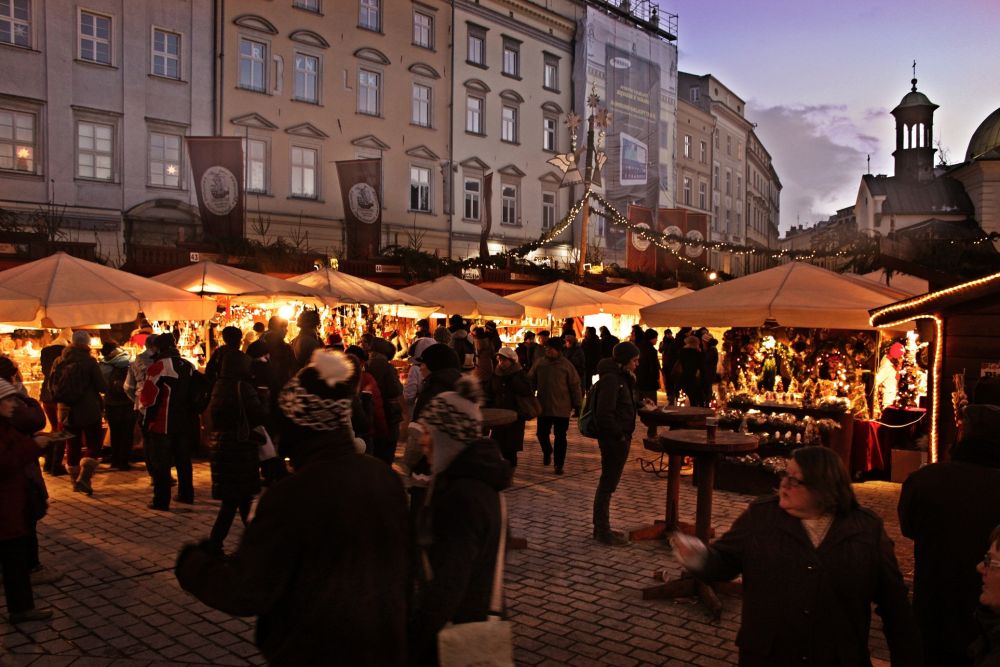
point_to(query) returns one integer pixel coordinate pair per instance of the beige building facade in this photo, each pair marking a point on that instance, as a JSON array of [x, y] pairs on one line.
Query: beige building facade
[[760, 221], [695, 132]]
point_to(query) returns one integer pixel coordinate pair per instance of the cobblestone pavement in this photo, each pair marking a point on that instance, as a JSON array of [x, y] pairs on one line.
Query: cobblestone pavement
[[572, 600]]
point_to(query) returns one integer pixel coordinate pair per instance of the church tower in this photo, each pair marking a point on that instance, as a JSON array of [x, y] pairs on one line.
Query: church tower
[[914, 152]]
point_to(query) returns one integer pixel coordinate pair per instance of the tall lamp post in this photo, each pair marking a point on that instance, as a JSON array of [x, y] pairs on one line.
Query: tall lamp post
[[594, 158]]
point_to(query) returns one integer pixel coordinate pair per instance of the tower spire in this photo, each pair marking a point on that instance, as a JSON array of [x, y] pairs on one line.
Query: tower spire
[[913, 81]]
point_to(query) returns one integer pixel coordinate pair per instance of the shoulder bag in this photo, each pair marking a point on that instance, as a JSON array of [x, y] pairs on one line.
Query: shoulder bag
[[484, 643]]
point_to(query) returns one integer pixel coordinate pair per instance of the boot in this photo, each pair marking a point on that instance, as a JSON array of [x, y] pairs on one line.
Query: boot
[[54, 459], [611, 538], [74, 473], [87, 468]]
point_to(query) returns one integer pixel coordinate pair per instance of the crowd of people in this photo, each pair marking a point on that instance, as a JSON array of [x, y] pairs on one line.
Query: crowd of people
[[361, 546]]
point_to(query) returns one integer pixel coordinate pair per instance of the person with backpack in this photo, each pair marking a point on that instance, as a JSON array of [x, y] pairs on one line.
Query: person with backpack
[[50, 353], [119, 410], [77, 385], [169, 422], [558, 386], [614, 405]]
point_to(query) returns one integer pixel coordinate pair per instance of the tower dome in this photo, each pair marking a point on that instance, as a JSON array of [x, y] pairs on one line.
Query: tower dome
[[986, 138], [914, 154]]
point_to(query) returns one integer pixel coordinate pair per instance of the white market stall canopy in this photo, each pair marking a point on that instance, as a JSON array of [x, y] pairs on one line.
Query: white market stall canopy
[[561, 299], [675, 292], [455, 296], [902, 282], [211, 279], [640, 295], [337, 288], [72, 292], [792, 295]]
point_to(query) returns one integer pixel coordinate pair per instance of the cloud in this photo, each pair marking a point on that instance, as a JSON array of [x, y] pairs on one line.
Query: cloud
[[819, 152]]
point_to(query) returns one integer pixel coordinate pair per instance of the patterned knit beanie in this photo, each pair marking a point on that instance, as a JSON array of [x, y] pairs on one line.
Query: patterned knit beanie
[[454, 419], [320, 396]]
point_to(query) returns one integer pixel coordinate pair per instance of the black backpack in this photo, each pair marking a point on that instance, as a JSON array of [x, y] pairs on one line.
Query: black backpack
[[69, 381]]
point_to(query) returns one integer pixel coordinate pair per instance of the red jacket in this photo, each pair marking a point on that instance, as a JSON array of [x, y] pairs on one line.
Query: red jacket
[[16, 452], [379, 425]]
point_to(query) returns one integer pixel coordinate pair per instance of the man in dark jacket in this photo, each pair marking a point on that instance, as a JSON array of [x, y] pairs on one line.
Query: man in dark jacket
[[459, 528], [82, 416], [558, 386], [527, 351], [280, 355], [591, 354], [308, 340], [647, 373], [50, 353], [232, 337], [323, 564], [380, 351], [574, 353], [948, 509], [119, 410], [614, 412], [608, 342]]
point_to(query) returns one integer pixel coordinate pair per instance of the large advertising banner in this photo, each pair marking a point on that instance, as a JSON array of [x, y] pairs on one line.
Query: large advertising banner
[[633, 97], [640, 253]]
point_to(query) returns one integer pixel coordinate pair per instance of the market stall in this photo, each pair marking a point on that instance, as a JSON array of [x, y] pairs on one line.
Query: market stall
[[560, 299], [640, 295], [337, 288], [455, 296]]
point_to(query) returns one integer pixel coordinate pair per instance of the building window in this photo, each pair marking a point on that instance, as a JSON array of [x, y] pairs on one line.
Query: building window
[[508, 205], [253, 65], [255, 159], [165, 160], [687, 191], [472, 189], [95, 38], [474, 114], [550, 72], [548, 210], [306, 78], [17, 141], [368, 92], [687, 146], [508, 125], [15, 22], [715, 136], [303, 172], [370, 16], [549, 133], [739, 186], [715, 177], [702, 196], [704, 152], [476, 46], [420, 189], [308, 5], [166, 53], [729, 182], [729, 145], [423, 30], [511, 58], [694, 94], [94, 151], [421, 114]]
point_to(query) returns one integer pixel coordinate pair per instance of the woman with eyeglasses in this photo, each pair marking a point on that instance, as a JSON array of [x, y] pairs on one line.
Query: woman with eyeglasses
[[813, 562], [985, 651]]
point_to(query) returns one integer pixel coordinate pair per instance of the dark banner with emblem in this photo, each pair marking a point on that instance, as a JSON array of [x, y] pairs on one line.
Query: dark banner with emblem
[[697, 230], [640, 253], [671, 221], [360, 188], [217, 168]]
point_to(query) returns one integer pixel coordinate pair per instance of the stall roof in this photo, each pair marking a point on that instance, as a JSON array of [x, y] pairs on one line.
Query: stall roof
[[336, 288], [903, 282], [209, 278], [640, 295], [561, 299], [932, 302], [791, 295], [455, 296]]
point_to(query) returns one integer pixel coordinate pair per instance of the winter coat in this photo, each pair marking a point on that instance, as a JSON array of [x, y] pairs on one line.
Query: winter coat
[[608, 345], [323, 564], [647, 373], [281, 361], [808, 605], [380, 427], [137, 376], [504, 388], [87, 410], [47, 358], [17, 451], [615, 409], [214, 366], [575, 356], [690, 361], [304, 345], [558, 386], [948, 510], [985, 651], [709, 368], [592, 354], [387, 378], [459, 529], [164, 398], [115, 371], [235, 459], [464, 348]]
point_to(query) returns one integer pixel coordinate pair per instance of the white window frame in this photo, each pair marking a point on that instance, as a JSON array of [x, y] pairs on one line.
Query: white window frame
[[253, 62], [548, 209], [475, 117], [15, 26], [702, 195], [307, 5], [508, 124], [687, 191], [550, 72], [509, 204], [476, 47], [95, 152], [17, 147], [370, 15], [163, 160], [423, 35], [422, 97], [511, 61], [687, 146], [94, 40], [164, 56], [472, 204], [369, 95], [420, 186], [729, 182], [694, 93], [250, 162], [550, 134], [704, 152], [304, 75], [300, 170]]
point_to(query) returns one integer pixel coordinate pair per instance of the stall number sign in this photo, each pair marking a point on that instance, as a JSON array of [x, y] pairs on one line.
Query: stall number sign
[[990, 369]]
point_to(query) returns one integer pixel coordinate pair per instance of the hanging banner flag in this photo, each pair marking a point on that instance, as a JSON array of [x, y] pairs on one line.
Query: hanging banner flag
[[697, 230], [360, 185], [671, 221], [640, 253], [217, 168], [484, 246]]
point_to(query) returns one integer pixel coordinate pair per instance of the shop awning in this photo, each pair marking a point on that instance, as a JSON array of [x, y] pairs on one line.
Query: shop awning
[[337, 288], [561, 299], [902, 282], [791, 295], [675, 292], [640, 295], [73, 292], [211, 279], [455, 296]]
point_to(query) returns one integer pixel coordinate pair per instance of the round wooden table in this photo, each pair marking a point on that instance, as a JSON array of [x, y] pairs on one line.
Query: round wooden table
[[674, 417], [695, 443], [498, 417]]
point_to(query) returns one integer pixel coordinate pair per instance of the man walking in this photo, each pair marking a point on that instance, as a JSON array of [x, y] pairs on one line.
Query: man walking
[[558, 386], [647, 373]]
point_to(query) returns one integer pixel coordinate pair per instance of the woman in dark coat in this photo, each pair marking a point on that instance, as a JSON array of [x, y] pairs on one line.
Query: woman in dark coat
[[813, 563], [691, 359], [509, 382], [236, 410]]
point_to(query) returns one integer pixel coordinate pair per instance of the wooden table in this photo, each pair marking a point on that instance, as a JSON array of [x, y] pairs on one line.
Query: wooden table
[[671, 417], [695, 443], [497, 417]]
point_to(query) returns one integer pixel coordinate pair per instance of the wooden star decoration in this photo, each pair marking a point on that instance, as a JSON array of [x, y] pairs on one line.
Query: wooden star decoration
[[572, 121], [593, 100], [603, 118]]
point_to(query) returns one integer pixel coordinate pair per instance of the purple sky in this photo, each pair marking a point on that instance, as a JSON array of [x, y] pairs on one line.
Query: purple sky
[[820, 78]]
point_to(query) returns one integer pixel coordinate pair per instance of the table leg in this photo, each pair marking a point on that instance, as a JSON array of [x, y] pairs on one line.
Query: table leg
[[706, 482], [660, 528]]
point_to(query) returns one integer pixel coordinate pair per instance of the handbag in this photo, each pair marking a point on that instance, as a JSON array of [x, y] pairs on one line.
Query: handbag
[[528, 407], [486, 643]]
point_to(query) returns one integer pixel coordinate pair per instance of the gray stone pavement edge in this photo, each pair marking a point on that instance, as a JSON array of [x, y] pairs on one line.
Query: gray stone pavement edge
[[572, 601]]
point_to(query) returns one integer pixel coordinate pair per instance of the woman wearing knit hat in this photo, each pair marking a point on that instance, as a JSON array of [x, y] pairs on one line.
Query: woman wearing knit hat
[[324, 562], [459, 525]]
